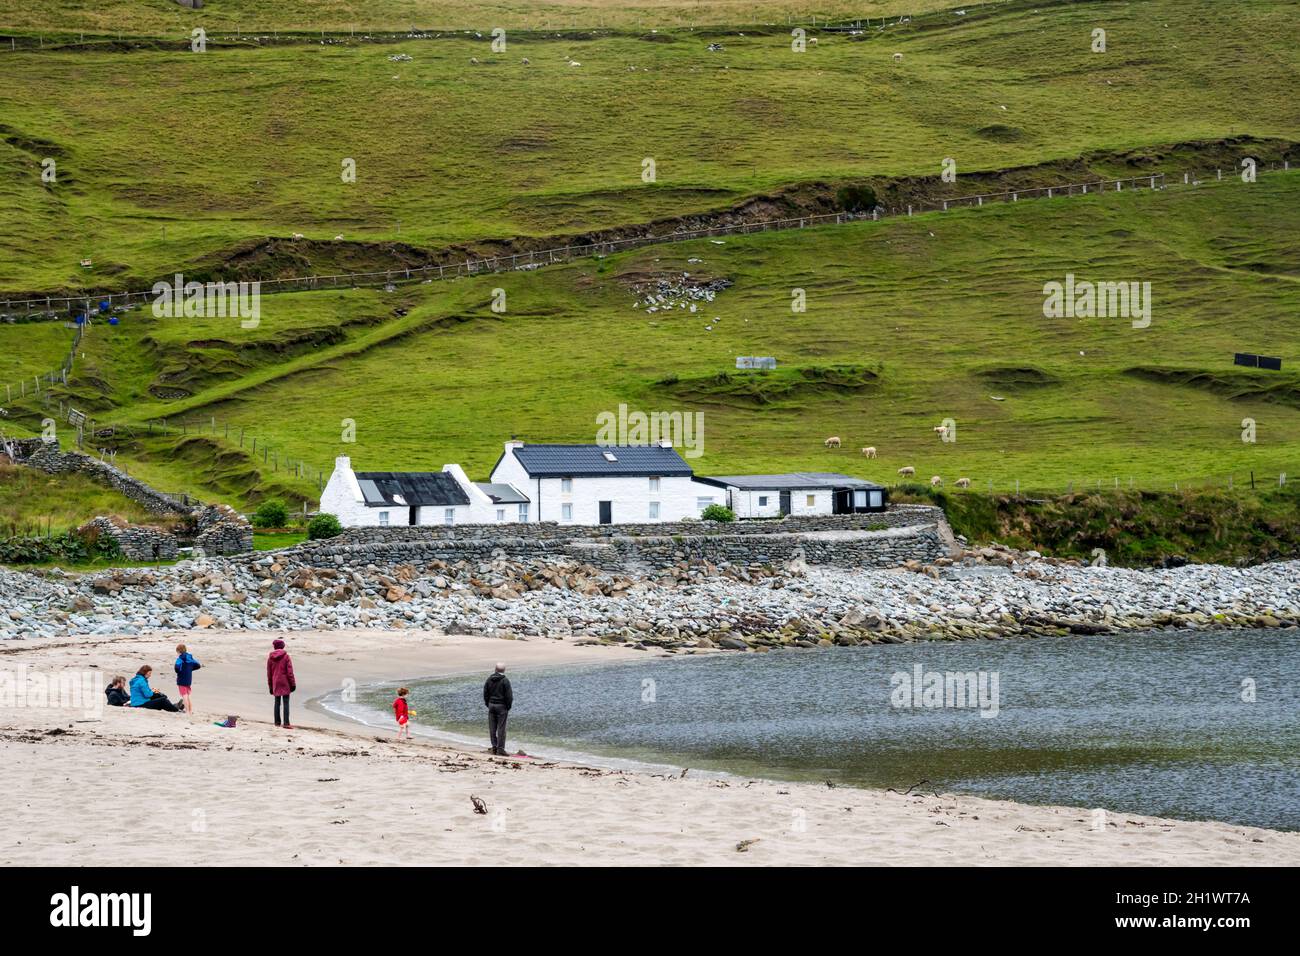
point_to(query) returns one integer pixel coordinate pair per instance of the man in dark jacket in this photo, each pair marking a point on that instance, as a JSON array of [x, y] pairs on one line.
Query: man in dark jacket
[[497, 697]]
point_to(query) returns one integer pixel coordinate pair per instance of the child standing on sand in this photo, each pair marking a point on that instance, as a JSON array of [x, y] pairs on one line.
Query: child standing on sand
[[403, 713], [185, 667]]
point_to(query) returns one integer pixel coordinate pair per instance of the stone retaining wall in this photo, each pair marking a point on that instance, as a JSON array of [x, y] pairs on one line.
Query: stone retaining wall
[[846, 548], [49, 459], [223, 530], [896, 516], [136, 542]]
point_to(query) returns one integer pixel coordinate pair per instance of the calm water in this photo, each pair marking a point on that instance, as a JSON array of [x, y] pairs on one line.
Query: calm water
[[1151, 723]]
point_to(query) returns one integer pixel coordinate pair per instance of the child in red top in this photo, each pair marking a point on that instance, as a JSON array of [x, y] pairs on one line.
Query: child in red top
[[403, 714]]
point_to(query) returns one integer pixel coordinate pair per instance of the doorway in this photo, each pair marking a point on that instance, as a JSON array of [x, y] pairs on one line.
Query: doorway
[[607, 512]]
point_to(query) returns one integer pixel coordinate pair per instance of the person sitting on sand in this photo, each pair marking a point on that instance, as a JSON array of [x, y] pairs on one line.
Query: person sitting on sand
[[280, 681], [498, 698], [185, 667], [403, 713], [145, 697], [116, 692]]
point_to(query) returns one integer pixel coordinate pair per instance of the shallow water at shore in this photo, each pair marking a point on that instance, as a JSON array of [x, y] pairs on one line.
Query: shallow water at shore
[[1155, 723]]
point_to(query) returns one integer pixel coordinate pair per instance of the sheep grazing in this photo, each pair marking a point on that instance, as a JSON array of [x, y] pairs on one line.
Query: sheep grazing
[[833, 442], [869, 452], [527, 61], [898, 58], [907, 471], [297, 236], [339, 237], [936, 482], [941, 431], [962, 482], [474, 60]]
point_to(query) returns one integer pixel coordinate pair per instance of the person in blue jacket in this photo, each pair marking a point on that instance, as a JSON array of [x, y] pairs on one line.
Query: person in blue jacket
[[144, 696], [185, 667]]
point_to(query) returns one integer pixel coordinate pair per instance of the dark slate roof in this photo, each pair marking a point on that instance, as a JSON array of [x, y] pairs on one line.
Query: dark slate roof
[[794, 479], [415, 488], [564, 461], [502, 494]]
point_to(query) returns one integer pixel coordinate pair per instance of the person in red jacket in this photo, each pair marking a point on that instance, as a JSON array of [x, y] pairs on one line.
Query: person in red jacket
[[403, 713], [279, 680]]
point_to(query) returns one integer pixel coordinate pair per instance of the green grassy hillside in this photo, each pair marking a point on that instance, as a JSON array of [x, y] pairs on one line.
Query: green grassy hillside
[[207, 163], [908, 322], [155, 17], [451, 152]]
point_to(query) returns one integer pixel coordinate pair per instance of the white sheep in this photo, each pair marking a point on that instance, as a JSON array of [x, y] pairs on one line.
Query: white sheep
[[936, 482], [474, 60], [898, 58], [527, 61], [941, 431], [907, 471], [297, 236], [833, 442], [962, 482], [869, 451], [339, 237]]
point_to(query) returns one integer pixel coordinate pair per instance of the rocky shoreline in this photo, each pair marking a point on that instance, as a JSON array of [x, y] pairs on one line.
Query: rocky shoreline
[[989, 593]]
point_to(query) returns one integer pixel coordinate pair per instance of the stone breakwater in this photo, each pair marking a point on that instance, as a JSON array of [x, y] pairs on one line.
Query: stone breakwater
[[692, 604]]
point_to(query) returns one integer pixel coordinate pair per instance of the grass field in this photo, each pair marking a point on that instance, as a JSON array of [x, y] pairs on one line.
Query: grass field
[[35, 503], [172, 161], [448, 152], [162, 17], [908, 322]]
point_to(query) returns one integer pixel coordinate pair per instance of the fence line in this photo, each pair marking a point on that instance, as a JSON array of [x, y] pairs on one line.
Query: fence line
[[1229, 482], [275, 36], [527, 261]]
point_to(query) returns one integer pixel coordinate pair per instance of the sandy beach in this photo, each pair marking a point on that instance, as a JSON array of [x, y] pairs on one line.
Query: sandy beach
[[103, 786]]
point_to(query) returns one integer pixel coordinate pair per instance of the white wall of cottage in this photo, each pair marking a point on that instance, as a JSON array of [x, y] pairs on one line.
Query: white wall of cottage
[[630, 497]]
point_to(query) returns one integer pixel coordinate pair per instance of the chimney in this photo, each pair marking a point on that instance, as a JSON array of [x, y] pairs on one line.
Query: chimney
[[342, 463], [512, 444], [665, 443]]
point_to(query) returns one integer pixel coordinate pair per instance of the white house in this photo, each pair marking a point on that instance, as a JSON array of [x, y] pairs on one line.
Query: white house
[[798, 493], [604, 484], [362, 499]]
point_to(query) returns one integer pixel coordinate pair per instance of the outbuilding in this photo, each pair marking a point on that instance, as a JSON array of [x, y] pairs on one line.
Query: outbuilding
[[799, 493]]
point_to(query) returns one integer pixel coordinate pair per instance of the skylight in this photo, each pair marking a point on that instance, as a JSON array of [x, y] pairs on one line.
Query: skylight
[[609, 456]]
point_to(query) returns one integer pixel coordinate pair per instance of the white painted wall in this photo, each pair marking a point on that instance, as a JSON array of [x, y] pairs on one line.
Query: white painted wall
[[630, 497], [746, 503], [481, 509], [342, 498]]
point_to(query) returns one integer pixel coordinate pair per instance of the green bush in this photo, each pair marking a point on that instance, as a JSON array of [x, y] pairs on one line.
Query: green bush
[[717, 513], [272, 513], [323, 526]]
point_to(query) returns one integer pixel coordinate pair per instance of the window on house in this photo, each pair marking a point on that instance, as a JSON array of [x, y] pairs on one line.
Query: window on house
[[762, 501], [501, 514], [654, 484], [654, 510], [383, 519], [702, 503], [877, 499], [812, 501], [566, 512], [448, 515], [859, 499], [566, 486], [523, 512]]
